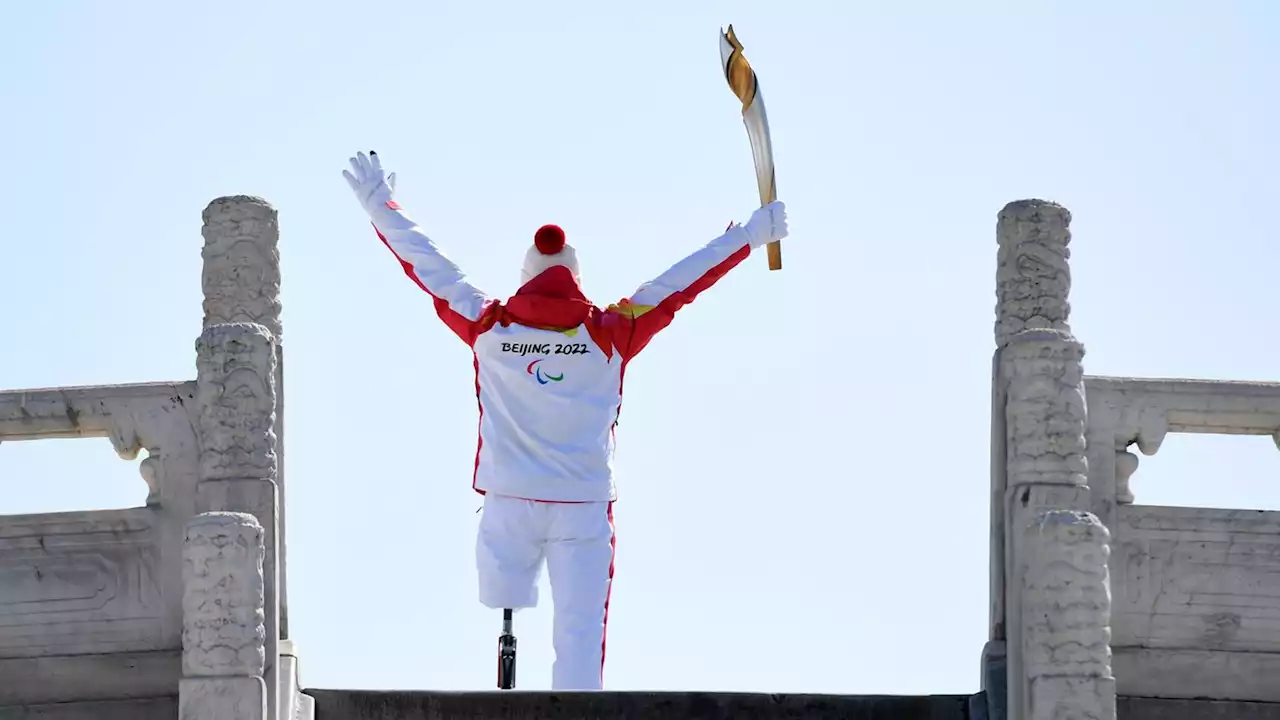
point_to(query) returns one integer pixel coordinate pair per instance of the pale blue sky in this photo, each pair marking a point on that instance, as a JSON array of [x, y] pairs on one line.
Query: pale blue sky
[[803, 455]]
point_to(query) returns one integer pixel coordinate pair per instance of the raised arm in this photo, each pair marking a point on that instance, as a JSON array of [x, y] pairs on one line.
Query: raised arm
[[464, 309], [652, 307]]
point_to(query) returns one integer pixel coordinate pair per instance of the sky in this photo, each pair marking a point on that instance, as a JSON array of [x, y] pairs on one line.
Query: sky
[[803, 456]]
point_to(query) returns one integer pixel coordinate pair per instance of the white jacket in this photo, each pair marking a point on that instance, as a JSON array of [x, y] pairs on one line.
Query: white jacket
[[550, 364]]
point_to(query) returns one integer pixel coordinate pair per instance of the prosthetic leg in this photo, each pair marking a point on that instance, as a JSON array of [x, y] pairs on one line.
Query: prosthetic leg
[[506, 654]]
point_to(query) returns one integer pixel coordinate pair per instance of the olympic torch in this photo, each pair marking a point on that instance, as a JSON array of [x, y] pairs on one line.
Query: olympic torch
[[744, 83]]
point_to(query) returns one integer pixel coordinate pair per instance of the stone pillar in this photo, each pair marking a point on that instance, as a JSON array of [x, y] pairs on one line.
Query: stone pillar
[[1046, 475], [1066, 618], [235, 406], [241, 276], [241, 282], [1033, 274], [1039, 420], [1045, 413], [223, 619], [1033, 281]]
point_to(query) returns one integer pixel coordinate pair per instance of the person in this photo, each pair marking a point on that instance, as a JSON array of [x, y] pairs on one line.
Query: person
[[549, 369]]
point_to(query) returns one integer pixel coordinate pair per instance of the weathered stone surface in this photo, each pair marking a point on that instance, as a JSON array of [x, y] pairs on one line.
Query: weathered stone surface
[[74, 678], [1195, 590], [83, 582], [91, 601], [1198, 578], [135, 417], [1033, 276], [1068, 599], [158, 708], [294, 705], [518, 705], [1034, 406], [1184, 673], [241, 279], [1065, 608], [1044, 409], [235, 397], [1143, 411], [224, 633], [1146, 708], [241, 276], [222, 698], [239, 465]]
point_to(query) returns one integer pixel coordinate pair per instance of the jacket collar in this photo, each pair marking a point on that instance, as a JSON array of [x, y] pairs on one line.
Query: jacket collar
[[552, 300]]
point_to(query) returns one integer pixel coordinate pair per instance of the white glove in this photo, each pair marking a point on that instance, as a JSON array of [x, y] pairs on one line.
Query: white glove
[[372, 188], [767, 224]]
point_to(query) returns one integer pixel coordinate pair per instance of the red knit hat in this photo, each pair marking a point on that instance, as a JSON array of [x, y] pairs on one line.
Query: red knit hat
[[549, 250]]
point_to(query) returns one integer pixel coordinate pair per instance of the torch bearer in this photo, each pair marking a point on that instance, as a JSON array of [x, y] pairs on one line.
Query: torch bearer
[[743, 82]]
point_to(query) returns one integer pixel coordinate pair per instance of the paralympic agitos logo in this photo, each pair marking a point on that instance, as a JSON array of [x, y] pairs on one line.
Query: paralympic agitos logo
[[541, 377]]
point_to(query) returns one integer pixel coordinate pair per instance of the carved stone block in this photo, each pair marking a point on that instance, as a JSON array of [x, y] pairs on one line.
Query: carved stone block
[[230, 698], [241, 276], [1045, 413], [80, 583], [235, 397], [1033, 276], [1072, 698], [1198, 578], [1065, 617], [223, 602]]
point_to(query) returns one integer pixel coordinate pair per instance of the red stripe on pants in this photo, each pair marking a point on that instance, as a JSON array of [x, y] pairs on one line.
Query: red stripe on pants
[[604, 631]]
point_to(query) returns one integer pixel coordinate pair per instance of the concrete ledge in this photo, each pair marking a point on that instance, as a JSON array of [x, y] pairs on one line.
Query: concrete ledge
[[1140, 708], [87, 678], [163, 708], [1200, 674], [517, 705]]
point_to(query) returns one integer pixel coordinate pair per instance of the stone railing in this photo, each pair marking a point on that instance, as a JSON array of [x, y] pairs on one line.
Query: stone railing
[[1093, 595], [90, 601], [1196, 590], [1127, 412], [147, 416], [185, 596]]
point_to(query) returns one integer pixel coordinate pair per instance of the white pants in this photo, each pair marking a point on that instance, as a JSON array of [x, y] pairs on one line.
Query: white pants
[[576, 540]]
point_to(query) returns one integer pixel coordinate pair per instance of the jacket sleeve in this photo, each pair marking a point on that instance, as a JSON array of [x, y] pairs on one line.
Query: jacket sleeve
[[637, 319], [465, 309]]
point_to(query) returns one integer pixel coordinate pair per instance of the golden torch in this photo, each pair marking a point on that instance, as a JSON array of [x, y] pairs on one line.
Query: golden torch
[[743, 82]]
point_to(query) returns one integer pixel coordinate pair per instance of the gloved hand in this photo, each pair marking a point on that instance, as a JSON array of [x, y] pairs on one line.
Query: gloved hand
[[372, 188], [767, 224]]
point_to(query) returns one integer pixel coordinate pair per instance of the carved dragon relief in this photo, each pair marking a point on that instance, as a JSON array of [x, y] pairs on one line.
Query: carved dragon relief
[[241, 276], [1033, 275]]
